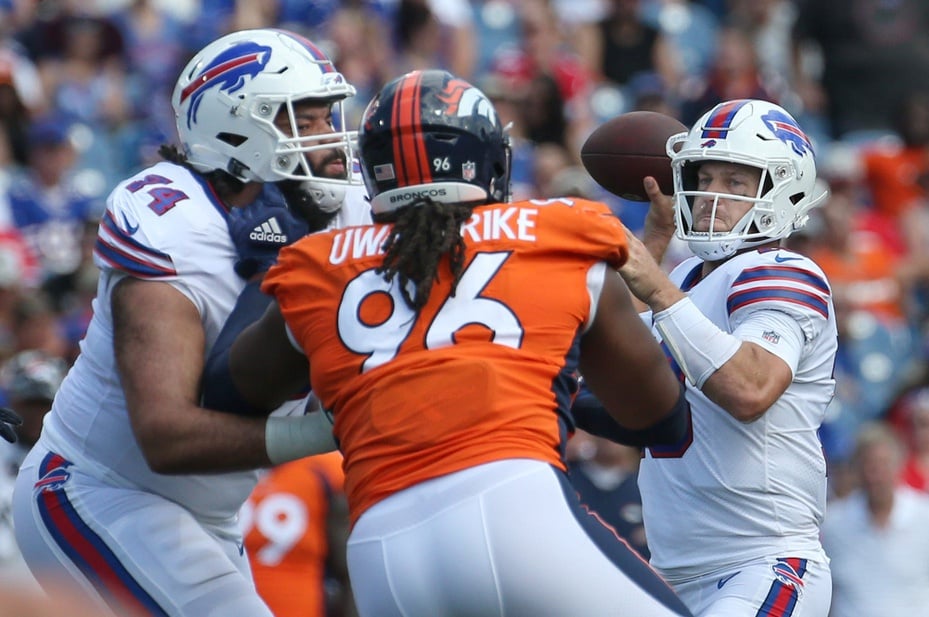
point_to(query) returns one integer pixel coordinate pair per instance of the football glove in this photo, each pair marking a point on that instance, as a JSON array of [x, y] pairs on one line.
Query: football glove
[[259, 231], [9, 420]]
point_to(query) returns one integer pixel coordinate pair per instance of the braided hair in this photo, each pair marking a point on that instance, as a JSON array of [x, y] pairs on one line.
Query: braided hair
[[422, 233]]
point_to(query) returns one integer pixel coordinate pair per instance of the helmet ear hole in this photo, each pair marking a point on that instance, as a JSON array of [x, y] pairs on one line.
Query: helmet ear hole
[[232, 139], [767, 185]]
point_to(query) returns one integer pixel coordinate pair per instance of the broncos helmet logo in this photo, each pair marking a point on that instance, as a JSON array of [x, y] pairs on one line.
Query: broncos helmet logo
[[229, 70], [785, 129], [462, 99]]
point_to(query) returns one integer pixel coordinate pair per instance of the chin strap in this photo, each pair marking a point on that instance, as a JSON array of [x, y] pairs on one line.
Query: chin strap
[[327, 196]]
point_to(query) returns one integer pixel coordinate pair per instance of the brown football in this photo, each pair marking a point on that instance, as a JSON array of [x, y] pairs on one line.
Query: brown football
[[623, 150]]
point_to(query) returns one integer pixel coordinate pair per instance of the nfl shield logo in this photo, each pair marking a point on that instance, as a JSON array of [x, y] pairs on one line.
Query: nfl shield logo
[[468, 170]]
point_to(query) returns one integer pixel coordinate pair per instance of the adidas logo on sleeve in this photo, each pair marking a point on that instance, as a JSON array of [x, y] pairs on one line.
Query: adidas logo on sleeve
[[269, 231]]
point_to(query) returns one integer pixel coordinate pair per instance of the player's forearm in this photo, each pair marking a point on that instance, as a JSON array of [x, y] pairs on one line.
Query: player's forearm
[[206, 441], [749, 383], [592, 417]]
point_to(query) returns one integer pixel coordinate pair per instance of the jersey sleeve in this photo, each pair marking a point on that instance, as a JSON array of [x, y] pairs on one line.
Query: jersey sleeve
[[795, 287], [123, 245], [162, 225], [589, 227]]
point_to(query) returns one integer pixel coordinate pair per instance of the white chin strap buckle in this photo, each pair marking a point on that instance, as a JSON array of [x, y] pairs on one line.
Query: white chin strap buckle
[[327, 196]]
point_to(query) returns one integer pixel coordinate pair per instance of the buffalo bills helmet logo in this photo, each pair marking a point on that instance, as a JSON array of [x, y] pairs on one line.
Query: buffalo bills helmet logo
[[229, 70], [785, 129]]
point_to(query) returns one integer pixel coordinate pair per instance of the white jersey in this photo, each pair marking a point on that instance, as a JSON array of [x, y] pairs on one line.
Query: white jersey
[[163, 224], [732, 491]]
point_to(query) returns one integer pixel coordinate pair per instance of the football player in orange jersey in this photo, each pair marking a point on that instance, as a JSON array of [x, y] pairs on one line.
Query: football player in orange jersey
[[295, 525], [445, 340]]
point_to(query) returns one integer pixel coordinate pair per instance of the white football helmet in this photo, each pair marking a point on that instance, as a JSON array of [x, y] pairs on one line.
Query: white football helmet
[[227, 98], [748, 132]]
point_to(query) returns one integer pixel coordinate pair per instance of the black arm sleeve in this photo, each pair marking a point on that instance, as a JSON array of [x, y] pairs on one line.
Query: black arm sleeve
[[591, 416], [218, 389]]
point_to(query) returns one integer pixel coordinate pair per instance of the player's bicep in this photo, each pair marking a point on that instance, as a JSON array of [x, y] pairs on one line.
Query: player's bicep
[[622, 362], [158, 342], [265, 366]]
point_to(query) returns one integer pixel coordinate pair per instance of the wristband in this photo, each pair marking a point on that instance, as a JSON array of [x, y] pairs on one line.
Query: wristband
[[291, 437], [697, 344]]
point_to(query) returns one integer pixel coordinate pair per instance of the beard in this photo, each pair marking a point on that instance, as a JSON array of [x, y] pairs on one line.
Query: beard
[[301, 202], [303, 205], [335, 156]]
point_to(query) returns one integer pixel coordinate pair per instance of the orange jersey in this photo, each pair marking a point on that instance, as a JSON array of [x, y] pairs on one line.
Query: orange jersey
[[892, 175], [285, 533], [864, 278], [475, 377]]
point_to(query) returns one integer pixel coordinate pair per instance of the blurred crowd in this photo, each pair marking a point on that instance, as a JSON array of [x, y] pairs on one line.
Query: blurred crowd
[[85, 86]]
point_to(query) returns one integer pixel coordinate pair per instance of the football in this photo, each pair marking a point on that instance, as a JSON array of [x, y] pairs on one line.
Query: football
[[623, 150]]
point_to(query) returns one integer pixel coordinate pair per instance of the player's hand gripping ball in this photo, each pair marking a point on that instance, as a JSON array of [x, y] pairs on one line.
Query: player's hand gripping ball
[[625, 149]]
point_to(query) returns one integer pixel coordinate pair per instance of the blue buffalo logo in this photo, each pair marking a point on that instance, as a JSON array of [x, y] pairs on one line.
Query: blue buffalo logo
[[229, 71], [785, 129]]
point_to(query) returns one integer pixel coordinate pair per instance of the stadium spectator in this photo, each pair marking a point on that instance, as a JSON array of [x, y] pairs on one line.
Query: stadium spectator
[[48, 205], [434, 33], [877, 537], [542, 53], [853, 60], [21, 98], [690, 28], [155, 53], [896, 172], [873, 292], [733, 73], [769, 25], [623, 46]]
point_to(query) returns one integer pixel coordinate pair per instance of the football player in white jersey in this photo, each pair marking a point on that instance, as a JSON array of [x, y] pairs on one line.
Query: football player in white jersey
[[732, 513], [131, 493]]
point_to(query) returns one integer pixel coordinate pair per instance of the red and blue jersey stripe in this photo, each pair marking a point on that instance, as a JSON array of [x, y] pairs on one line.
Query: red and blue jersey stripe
[[117, 248], [779, 284]]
